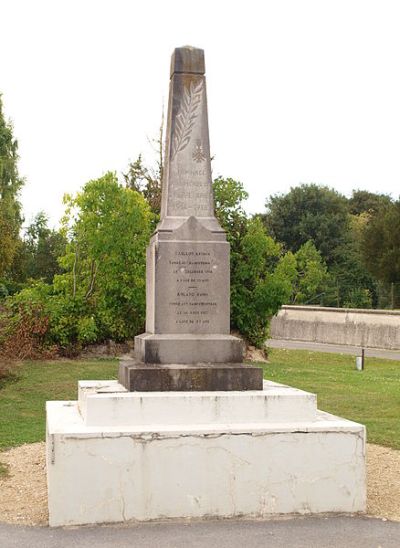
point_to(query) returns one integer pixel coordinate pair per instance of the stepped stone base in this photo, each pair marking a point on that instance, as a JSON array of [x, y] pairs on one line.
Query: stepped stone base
[[140, 377], [116, 456], [188, 349]]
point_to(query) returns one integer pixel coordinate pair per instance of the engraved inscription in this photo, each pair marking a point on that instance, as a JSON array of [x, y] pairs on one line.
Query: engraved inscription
[[193, 302], [190, 191], [187, 114], [192, 280]]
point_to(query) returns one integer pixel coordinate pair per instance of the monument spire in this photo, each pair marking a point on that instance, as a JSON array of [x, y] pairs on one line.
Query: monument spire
[[187, 182]]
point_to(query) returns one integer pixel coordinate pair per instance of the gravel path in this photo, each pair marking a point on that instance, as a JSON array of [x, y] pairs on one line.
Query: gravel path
[[23, 492]]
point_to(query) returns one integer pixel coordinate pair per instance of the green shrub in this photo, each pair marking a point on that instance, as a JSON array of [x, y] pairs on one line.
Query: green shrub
[[261, 274]]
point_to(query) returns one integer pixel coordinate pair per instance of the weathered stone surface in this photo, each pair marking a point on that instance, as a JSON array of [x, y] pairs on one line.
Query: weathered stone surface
[[140, 377], [189, 60], [188, 286], [187, 188], [190, 349]]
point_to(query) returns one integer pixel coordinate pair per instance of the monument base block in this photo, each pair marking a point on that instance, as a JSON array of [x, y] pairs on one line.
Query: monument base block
[[188, 349], [115, 455], [143, 377]]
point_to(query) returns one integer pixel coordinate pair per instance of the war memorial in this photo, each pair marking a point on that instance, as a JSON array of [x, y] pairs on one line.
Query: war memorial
[[189, 430]]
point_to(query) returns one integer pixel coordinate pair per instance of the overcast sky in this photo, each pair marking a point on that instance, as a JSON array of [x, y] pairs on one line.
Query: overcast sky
[[298, 91]]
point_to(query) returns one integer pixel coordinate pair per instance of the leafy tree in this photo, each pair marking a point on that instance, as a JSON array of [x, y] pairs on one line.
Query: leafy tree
[[10, 185], [39, 252], [352, 285], [258, 290], [312, 275], [261, 277], [108, 228], [381, 244], [309, 213], [101, 292], [146, 180], [363, 201]]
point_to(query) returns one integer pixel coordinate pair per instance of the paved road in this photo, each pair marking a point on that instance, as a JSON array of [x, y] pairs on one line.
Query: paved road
[[333, 348], [307, 532]]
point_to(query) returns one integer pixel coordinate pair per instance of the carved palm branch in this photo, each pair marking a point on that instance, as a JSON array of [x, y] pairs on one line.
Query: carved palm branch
[[188, 112]]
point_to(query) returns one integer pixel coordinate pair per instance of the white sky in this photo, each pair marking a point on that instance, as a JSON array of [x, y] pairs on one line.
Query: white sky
[[299, 91]]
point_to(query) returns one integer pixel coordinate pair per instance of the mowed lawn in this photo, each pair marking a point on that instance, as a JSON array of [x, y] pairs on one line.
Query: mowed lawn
[[23, 400], [371, 397]]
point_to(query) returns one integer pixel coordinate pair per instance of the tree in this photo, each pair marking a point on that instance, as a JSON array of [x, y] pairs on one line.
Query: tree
[[363, 201], [261, 276], [381, 244], [108, 228], [311, 275], [10, 185], [309, 213], [146, 180], [39, 253]]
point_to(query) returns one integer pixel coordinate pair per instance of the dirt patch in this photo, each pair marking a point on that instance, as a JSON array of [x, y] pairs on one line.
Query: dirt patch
[[254, 354], [383, 477], [23, 491]]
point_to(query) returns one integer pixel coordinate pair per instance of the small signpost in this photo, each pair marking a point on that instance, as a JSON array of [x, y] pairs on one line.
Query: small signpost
[[360, 360]]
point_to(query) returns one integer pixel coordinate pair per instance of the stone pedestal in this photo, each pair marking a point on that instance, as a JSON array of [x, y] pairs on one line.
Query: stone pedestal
[[115, 455]]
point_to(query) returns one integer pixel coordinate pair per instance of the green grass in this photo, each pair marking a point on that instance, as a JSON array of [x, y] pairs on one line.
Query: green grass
[[371, 397], [23, 398]]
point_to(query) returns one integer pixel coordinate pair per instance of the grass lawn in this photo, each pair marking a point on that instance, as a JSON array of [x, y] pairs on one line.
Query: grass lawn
[[371, 397], [22, 401]]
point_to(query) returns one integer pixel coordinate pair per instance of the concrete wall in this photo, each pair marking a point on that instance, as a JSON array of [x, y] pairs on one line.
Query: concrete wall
[[354, 327]]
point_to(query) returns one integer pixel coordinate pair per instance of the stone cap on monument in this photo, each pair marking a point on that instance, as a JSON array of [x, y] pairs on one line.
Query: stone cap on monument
[[188, 59]]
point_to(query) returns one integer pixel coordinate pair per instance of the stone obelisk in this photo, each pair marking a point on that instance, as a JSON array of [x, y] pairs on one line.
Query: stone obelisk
[[187, 344]]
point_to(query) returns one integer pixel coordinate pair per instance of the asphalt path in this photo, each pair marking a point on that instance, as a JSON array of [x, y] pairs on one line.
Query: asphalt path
[[333, 348], [300, 532]]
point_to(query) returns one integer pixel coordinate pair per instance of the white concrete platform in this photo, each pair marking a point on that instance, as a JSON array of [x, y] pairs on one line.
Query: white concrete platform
[[118, 456], [107, 403]]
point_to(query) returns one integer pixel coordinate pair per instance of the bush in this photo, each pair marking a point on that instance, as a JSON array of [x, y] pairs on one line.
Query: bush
[[261, 275], [24, 330], [101, 294]]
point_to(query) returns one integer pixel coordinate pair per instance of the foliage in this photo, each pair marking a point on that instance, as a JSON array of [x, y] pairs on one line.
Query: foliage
[[363, 201], [336, 226], [24, 328], [261, 277], [380, 244], [146, 181], [309, 213], [101, 292], [260, 283], [358, 297], [312, 275], [10, 185], [39, 253], [229, 196], [108, 229]]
